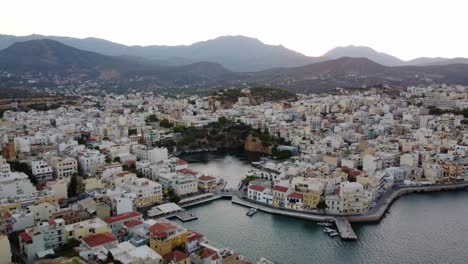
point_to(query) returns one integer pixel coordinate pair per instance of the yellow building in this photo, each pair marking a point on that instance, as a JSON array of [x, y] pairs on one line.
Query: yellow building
[[310, 199], [92, 183], [165, 236], [8, 207], [86, 228]]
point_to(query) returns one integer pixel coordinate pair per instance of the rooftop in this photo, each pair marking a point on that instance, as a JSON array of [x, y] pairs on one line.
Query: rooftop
[[121, 217]]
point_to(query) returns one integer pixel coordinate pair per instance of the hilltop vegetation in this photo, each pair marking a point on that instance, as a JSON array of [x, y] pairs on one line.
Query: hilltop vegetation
[[256, 95], [224, 134]]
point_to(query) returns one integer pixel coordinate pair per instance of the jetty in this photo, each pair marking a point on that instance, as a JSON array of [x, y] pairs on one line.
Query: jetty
[[345, 229], [185, 216]]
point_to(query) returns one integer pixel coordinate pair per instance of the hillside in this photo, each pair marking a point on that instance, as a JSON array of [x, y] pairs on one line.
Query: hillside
[[237, 53], [256, 95], [357, 72], [364, 52], [51, 57]]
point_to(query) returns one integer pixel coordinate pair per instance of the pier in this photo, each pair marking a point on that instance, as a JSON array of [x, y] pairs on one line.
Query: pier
[[345, 229], [185, 216]]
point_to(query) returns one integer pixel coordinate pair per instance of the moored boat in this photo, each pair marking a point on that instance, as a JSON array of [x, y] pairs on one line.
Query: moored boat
[[251, 211]]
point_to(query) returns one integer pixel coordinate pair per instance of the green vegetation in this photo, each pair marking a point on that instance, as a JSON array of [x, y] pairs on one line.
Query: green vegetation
[[165, 123], [117, 159], [67, 249], [438, 111], [152, 118], [132, 131], [322, 205], [281, 154], [23, 167], [257, 95], [221, 134], [171, 195], [72, 186]]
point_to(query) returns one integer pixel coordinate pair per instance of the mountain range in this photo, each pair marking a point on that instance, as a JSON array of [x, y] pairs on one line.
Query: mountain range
[[236, 53], [46, 57]]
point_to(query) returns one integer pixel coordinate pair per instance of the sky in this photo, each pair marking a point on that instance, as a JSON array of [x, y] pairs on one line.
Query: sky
[[403, 28]]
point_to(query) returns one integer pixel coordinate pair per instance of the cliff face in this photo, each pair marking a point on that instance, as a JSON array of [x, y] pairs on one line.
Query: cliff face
[[254, 144]]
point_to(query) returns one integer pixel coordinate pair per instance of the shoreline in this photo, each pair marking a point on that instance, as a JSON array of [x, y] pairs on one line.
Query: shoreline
[[373, 215]]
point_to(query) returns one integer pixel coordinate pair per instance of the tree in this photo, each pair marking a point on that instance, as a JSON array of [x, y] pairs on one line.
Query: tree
[[152, 118], [322, 206], [165, 123], [117, 159], [72, 185], [108, 160], [222, 119]]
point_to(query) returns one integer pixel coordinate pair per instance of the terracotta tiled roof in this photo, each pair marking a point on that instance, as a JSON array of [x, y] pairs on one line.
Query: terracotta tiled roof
[[280, 188], [295, 195], [207, 178], [121, 217], [161, 229], [194, 236], [99, 239], [175, 256], [257, 188], [188, 171], [133, 223], [25, 237]]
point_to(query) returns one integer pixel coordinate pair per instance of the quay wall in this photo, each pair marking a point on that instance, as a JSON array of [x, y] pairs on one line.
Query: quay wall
[[377, 215]]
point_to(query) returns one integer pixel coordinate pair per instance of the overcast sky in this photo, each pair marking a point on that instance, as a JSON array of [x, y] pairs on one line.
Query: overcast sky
[[404, 28]]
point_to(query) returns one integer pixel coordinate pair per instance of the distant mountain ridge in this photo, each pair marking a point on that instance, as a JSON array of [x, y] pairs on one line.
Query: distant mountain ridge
[[47, 57], [236, 53], [364, 52]]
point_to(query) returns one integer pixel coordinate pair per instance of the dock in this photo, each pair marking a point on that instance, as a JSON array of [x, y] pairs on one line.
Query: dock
[[345, 229], [185, 216]]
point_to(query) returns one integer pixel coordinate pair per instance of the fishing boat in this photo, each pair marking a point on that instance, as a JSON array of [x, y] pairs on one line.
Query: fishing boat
[[333, 234], [328, 230], [251, 211]]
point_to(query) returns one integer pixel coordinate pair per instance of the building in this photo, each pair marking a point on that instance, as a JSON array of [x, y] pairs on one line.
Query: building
[[116, 222], [207, 183], [90, 161], [127, 253], [279, 195], [177, 257], [41, 170], [39, 241], [14, 184], [5, 249], [147, 192], [43, 211], [59, 188], [184, 184], [63, 167], [96, 247], [144, 152], [260, 194], [86, 228], [295, 200], [165, 236]]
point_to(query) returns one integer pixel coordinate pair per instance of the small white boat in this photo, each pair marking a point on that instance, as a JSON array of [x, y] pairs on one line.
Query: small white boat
[[329, 230], [264, 260], [333, 234], [251, 211], [324, 224]]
